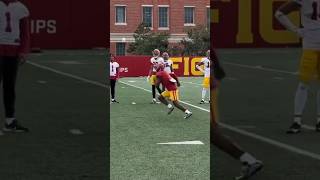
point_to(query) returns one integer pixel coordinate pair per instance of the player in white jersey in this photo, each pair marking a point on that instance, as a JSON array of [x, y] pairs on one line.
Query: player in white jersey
[[152, 78], [114, 75], [168, 67], [14, 45], [206, 62], [309, 66]]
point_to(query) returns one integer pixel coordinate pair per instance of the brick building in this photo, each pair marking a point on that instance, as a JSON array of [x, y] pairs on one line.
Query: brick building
[[172, 16]]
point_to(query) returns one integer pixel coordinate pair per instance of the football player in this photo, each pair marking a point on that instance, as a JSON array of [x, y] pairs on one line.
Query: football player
[[114, 75], [168, 68], [206, 81], [250, 164], [309, 64], [171, 92], [14, 47], [152, 78]]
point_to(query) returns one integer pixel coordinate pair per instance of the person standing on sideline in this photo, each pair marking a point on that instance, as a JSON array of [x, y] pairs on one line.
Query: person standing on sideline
[[114, 75], [14, 47]]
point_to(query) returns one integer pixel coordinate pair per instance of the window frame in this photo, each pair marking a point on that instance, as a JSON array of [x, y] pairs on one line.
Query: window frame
[[193, 14], [125, 15], [168, 17]]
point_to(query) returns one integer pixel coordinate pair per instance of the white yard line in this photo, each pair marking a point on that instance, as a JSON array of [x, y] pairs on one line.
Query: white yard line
[[261, 68], [229, 127]]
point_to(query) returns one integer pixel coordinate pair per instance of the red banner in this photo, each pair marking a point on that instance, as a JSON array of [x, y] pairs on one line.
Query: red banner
[[249, 23], [69, 23], [135, 66]]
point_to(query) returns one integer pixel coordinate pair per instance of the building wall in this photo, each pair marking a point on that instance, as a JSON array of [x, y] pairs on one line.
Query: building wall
[[123, 33]]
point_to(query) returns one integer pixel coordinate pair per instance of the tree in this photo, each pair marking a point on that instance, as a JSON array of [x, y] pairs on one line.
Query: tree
[[197, 42], [146, 41]]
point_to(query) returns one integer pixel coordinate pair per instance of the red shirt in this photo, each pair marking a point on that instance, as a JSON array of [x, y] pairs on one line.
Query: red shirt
[[166, 80]]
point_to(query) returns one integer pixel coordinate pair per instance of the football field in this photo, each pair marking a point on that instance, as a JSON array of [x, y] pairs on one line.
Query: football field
[[67, 117], [256, 107], [137, 128]]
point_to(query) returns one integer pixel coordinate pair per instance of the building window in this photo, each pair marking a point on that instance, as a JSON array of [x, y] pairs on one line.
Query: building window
[[147, 16], [163, 17], [189, 15], [120, 49], [121, 15]]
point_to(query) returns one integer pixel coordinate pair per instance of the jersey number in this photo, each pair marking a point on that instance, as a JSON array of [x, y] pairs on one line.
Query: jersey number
[[8, 18], [111, 68], [208, 66], [315, 13]]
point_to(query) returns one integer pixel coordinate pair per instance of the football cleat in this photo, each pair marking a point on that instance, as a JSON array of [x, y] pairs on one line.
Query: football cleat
[[154, 101], [170, 110], [202, 102], [114, 101], [188, 115], [14, 127], [318, 127], [249, 170], [295, 128]]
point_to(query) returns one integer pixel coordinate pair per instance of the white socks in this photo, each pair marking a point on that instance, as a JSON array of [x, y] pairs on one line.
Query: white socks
[[204, 92], [248, 158], [10, 120], [169, 106], [187, 111], [300, 98]]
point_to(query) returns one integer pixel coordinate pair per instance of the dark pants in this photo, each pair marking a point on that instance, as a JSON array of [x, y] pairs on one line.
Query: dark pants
[[113, 87], [8, 76]]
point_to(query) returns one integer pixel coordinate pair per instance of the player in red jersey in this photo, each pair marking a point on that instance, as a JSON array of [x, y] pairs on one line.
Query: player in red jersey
[[250, 164], [171, 92], [14, 45]]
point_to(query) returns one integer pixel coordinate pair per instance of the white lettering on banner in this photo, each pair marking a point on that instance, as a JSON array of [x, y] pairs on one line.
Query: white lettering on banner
[[40, 26]]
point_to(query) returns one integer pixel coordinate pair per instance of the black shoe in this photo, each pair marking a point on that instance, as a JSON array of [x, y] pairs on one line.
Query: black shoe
[[14, 127], [188, 115], [114, 101], [249, 170], [170, 110], [318, 127], [295, 128], [202, 102]]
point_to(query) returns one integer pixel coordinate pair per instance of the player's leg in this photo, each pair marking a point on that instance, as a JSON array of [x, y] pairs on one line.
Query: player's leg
[[205, 89], [174, 97], [250, 164], [162, 98], [307, 71], [153, 80], [113, 90], [10, 70]]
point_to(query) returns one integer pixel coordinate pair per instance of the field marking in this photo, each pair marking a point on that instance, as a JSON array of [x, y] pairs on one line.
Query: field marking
[[76, 132], [68, 75], [184, 143], [226, 126], [277, 78], [249, 134], [261, 68]]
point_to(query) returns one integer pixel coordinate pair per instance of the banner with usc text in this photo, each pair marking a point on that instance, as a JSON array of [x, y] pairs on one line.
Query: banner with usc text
[[250, 23], [68, 24], [135, 66]]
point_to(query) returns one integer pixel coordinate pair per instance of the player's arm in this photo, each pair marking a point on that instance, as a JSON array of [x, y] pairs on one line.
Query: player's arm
[[282, 12], [158, 82], [24, 48], [150, 72], [198, 66]]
